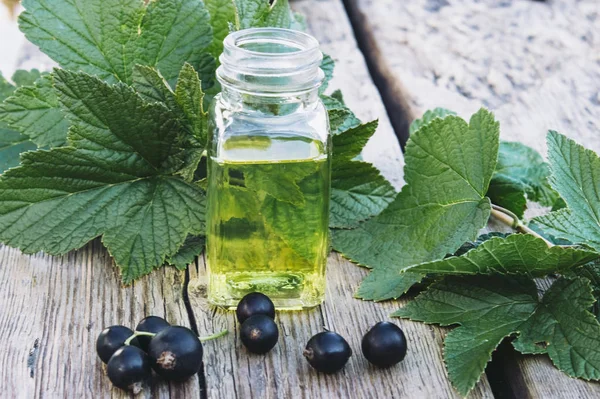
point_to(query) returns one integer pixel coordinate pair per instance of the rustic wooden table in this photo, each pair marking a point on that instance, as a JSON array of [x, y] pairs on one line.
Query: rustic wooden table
[[536, 64]]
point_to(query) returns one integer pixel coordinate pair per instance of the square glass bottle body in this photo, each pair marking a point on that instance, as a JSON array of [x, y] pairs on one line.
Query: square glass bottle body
[[268, 194]]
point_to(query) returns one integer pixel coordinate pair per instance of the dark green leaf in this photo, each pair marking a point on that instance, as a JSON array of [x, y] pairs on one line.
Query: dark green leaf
[[192, 247]]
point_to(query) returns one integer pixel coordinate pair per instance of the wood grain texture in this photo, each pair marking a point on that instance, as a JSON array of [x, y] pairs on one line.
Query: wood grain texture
[[59, 305], [231, 372], [535, 64]]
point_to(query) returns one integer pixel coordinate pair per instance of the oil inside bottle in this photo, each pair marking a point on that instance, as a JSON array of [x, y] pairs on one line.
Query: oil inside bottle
[[268, 211]]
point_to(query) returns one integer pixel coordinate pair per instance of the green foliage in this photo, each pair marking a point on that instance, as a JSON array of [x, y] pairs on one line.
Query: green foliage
[[521, 175], [488, 309], [428, 117], [192, 247], [515, 254], [574, 177], [449, 164], [115, 179]]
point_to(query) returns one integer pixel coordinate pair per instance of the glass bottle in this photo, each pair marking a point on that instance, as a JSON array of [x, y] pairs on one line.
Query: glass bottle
[[268, 171]]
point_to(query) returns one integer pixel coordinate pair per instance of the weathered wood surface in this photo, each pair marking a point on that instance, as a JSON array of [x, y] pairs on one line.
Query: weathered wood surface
[[535, 64]]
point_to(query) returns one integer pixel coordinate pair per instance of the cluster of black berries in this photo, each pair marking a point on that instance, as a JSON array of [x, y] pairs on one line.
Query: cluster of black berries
[[174, 352], [383, 345]]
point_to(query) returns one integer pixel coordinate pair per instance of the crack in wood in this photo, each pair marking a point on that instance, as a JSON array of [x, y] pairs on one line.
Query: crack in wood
[[32, 357]]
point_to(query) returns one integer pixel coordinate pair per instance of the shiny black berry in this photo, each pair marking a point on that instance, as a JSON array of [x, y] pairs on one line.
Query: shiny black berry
[[129, 368], [259, 333], [384, 345], [327, 352], [175, 353], [111, 339], [153, 324], [253, 304]]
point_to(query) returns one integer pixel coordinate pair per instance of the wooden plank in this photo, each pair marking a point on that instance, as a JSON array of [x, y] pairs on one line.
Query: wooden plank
[[55, 307], [535, 64], [231, 372]]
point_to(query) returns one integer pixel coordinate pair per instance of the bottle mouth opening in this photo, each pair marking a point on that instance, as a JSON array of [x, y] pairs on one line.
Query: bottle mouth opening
[[270, 60]]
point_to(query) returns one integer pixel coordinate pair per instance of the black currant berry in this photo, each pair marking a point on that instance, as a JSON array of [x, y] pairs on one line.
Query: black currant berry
[[152, 324], [253, 304], [129, 368], [327, 352], [259, 333], [384, 345], [111, 339], [175, 353]]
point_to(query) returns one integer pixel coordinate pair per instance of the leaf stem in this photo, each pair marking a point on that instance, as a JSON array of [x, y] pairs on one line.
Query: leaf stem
[[507, 217], [149, 334], [138, 334], [216, 335]]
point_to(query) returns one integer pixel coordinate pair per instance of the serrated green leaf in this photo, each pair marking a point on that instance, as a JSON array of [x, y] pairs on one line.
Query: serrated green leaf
[[223, 15], [189, 97], [251, 13], [34, 111], [487, 308], [515, 254], [574, 176], [449, 164], [428, 117], [358, 191], [327, 65], [521, 174], [381, 286], [192, 247], [107, 38], [6, 88], [280, 15], [113, 181], [341, 119], [571, 333]]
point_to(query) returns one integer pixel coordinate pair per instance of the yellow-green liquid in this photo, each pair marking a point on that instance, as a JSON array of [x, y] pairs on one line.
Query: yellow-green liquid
[[268, 212]]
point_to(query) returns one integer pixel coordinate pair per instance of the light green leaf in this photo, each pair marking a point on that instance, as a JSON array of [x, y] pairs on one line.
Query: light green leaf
[[487, 308], [107, 38], [428, 117], [223, 15], [34, 111], [327, 66], [192, 247], [515, 254], [571, 333], [251, 13], [112, 182], [280, 15], [575, 172], [449, 164]]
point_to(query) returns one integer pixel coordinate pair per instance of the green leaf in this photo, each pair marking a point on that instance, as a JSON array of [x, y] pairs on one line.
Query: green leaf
[[327, 66], [341, 119], [520, 172], [574, 177], [508, 193], [26, 78], [114, 180], [189, 97], [12, 144], [192, 247], [34, 111], [449, 164], [6, 89], [571, 333], [251, 13], [383, 286], [280, 15], [107, 38], [515, 254], [428, 117], [279, 180], [223, 15], [487, 308], [358, 191]]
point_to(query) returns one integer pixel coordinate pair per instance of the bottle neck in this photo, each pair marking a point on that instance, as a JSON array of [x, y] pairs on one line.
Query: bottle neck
[[270, 66]]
